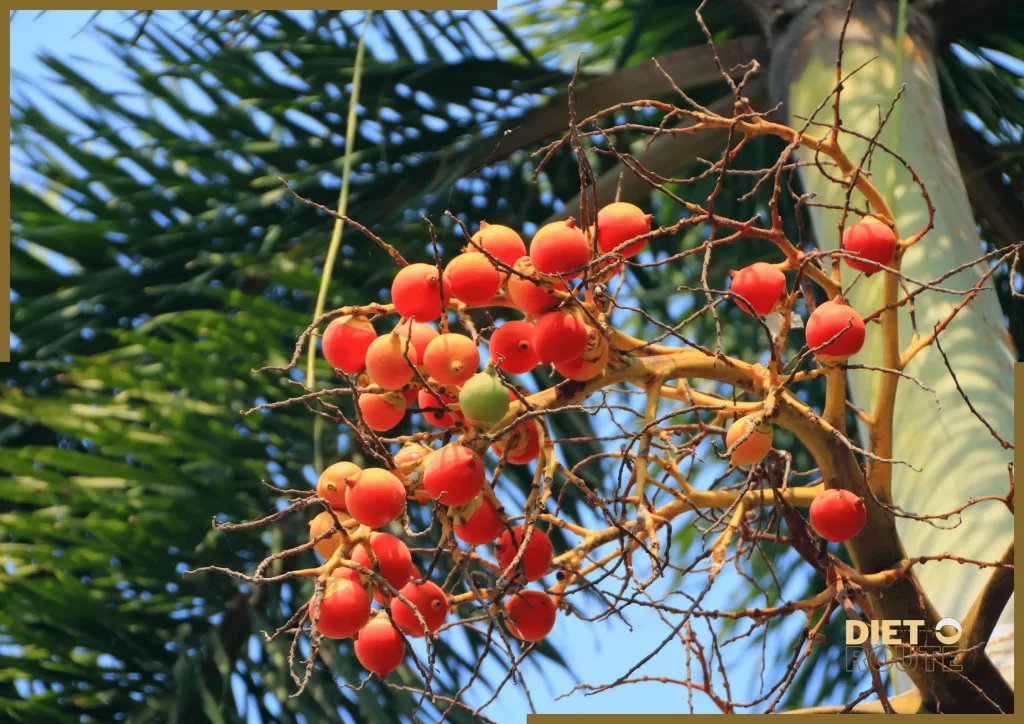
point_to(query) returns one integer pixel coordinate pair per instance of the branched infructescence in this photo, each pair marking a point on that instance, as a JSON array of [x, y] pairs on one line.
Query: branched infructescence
[[566, 284]]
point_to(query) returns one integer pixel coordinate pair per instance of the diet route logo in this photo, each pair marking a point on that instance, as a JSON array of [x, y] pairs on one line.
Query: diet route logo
[[902, 644]]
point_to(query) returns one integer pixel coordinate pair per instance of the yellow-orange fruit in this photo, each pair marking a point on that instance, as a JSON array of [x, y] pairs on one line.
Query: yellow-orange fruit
[[422, 335], [408, 459], [754, 449], [376, 499], [451, 359], [581, 369], [527, 296], [334, 482], [619, 222], [382, 412], [473, 278], [320, 525], [559, 248], [386, 363], [501, 242]]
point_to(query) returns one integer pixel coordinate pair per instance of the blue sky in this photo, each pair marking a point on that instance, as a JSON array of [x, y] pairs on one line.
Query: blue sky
[[599, 652]]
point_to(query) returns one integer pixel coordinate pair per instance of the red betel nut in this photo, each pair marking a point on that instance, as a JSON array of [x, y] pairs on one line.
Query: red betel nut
[[531, 615], [513, 343], [840, 323], [871, 240], [559, 337], [345, 342], [619, 222], [761, 284], [454, 475], [501, 242], [838, 515], [415, 292], [473, 278], [536, 558], [559, 248], [379, 647]]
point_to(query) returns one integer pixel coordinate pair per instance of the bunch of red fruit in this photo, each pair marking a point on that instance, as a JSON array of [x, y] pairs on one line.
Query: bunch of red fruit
[[494, 269]]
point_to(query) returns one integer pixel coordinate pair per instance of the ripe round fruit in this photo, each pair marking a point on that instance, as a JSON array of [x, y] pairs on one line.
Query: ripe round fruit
[[376, 498], [392, 555], [379, 647], [345, 342], [618, 223], [590, 364], [837, 515], [754, 449], [386, 363], [344, 609], [558, 248], [531, 615], [536, 559], [829, 320], [870, 239], [580, 370], [422, 335], [761, 284], [473, 278], [559, 337], [333, 484], [484, 400], [429, 600], [415, 294], [512, 342], [432, 412], [382, 412], [451, 359], [501, 242], [523, 444], [453, 475], [482, 527], [527, 296], [320, 525]]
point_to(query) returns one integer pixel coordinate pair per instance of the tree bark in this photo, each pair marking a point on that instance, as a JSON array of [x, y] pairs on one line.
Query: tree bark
[[958, 456]]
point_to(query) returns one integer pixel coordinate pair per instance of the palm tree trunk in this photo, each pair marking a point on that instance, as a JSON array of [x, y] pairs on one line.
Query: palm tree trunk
[[958, 456]]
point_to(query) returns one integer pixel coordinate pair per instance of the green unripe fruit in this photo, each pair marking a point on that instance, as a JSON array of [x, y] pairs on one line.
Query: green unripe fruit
[[483, 400]]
